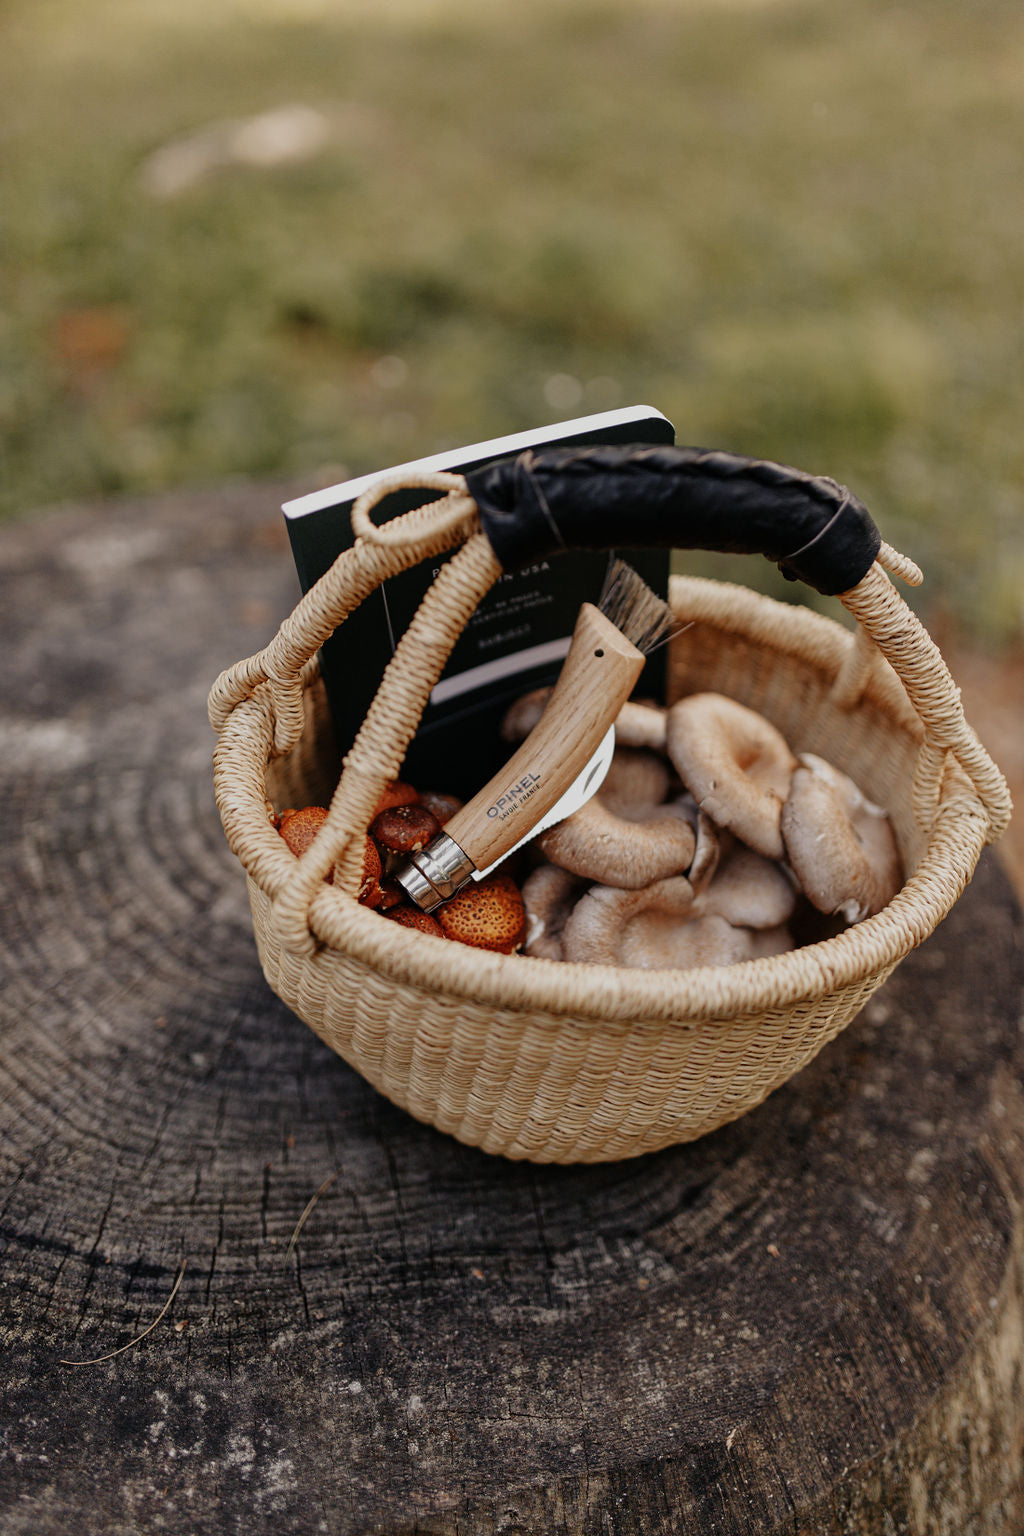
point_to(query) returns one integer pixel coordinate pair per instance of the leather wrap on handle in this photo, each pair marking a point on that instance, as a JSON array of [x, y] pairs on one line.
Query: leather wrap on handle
[[685, 498]]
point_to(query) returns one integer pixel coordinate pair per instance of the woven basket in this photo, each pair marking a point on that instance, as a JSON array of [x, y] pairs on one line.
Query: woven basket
[[561, 1062]]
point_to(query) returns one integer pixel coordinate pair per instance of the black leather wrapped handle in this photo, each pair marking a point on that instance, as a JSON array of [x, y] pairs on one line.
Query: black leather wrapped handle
[[641, 497]]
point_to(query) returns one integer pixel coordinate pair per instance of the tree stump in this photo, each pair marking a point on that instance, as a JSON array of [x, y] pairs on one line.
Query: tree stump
[[810, 1321]]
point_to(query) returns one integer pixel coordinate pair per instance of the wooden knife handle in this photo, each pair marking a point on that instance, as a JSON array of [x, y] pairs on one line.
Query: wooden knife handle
[[597, 677]]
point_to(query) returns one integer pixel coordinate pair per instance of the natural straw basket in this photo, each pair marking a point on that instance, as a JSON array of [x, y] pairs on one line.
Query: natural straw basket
[[559, 1062]]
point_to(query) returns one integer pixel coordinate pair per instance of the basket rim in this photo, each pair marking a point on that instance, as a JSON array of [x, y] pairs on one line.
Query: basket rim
[[611, 994]]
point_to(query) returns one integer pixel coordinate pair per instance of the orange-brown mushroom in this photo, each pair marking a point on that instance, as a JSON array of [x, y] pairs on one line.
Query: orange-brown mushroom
[[299, 826], [408, 916], [487, 914], [369, 893], [400, 830], [391, 893], [440, 804], [395, 792]]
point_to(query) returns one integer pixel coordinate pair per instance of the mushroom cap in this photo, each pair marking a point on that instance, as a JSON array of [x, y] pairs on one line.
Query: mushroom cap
[[599, 845], [549, 894], [636, 780], [736, 765], [369, 893], [641, 724], [299, 827], [749, 891], [487, 914], [408, 916], [765, 942], [395, 792], [871, 822], [521, 717], [391, 893], [653, 941], [657, 928], [597, 928], [402, 829], [440, 804], [845, 860], [855, 801]]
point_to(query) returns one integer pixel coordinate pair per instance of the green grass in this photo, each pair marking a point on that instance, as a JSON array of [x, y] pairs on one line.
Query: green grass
[[796, 228]]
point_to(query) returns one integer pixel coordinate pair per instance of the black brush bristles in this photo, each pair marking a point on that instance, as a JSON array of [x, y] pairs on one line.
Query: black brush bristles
[[633, 608]]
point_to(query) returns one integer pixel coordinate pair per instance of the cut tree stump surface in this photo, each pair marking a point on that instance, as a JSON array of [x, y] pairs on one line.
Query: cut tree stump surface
[[808, 1322]]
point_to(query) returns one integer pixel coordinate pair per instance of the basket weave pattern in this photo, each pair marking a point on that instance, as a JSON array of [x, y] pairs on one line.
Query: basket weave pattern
[[562, 1062]]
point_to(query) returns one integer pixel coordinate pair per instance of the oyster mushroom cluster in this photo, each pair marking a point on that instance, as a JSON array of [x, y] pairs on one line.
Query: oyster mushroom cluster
[[487, 914], [706, 842]]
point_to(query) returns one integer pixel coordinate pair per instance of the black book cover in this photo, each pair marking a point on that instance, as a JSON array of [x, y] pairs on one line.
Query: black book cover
[[515, 641]]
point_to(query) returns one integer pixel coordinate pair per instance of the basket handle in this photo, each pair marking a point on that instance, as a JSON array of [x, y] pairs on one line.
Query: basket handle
[[813, 528], [278, 673], [376, 555], [902, 639], [513, 513], [606, 496]]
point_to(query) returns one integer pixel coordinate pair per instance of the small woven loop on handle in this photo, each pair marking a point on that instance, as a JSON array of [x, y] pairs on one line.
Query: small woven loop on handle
[[456, 506], [288, 709], [417, 535], [287, 700], [899, 565], [917, 662], [379, 749]]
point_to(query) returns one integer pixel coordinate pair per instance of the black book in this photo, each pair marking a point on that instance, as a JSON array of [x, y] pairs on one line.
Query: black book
[[516, 640]]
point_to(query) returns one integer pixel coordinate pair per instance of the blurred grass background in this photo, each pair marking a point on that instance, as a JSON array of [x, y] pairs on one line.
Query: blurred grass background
[[795, 227]]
